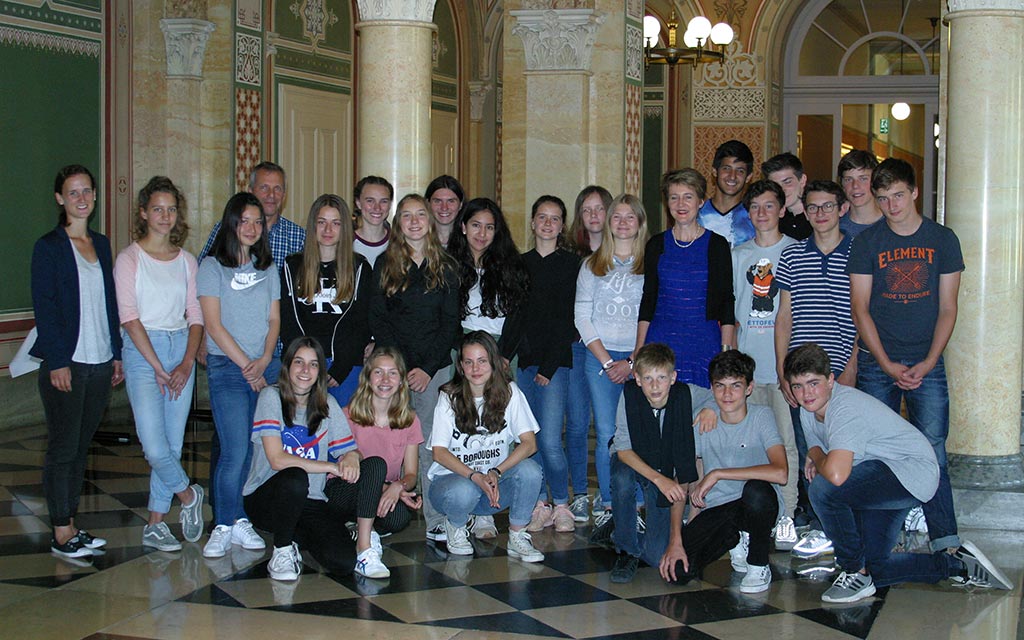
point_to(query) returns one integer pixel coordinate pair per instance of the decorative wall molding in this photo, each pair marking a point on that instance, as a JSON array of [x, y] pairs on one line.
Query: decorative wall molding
[[558, 39], [984, 5], [315, 17], [411, 10], [634, 54], [653, 111], [635, 9], [185, 40], [249, 14], [728, 104], [49, 42], [633, 138], [477, 96], [499, 95], [247, 135], [248, 59], [739, 69]]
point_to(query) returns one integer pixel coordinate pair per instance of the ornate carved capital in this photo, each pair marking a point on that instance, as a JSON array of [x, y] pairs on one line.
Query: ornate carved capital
[[558, 39], [984, 5], [185, 39], [477, 94], [410, 10]]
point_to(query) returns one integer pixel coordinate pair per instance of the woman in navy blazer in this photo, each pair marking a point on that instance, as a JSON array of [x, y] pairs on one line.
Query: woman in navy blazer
[[79, 343]]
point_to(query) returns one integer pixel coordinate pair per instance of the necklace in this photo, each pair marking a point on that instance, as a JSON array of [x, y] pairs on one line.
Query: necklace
[[700, 232]]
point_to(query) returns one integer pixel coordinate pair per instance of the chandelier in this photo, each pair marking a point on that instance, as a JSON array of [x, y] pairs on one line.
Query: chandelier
[[695, 46]]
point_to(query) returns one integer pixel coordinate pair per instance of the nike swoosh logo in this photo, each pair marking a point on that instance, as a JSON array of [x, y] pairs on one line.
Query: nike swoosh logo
[[237, 286]]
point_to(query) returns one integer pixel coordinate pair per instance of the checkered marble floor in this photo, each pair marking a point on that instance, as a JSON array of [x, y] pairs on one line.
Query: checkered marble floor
[[132, 592]]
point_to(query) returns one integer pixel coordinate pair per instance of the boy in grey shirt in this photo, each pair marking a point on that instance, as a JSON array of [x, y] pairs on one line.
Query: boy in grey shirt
[[867, 467]]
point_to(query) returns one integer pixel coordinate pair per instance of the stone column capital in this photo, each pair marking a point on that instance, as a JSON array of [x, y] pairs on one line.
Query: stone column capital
[[478, 91], [396, 10], [983, 6], [185, 39], [557, 39]]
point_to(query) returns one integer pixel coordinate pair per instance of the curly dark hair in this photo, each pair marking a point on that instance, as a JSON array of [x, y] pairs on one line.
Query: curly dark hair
[[505, 283]]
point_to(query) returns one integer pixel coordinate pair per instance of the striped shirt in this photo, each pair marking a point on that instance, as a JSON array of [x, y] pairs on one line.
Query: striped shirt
[[819, 292], [285, 238]]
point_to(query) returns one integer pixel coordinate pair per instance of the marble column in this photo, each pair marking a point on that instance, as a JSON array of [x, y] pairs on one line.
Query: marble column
[[984, 200], [478, 92], [393, 102]]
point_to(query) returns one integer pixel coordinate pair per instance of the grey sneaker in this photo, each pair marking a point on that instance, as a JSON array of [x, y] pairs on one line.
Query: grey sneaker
[[457, 539], [738, 554], [849, 587], [785, 534], [981, 572], [580, 507], [758, 579], [483, 528], [192, 516], [521, 547], [158, 536]]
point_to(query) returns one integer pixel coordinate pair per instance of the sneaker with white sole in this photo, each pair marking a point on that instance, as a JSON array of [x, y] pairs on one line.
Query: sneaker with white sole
[[641, 524], [738, 554], [457, 539], [580, 508], [758, 579], [192, 516], [285, 563], [368, 564], [73, 548], [521, 547], [243, 534], [785, 534], [915, 522], [849, 587], [563, 519], [483, 528], [601, 518], [437, 534], [540, 518], [812, 544], [375, 542], [981, 572], [89, 540], [219, 542], [158, 536]]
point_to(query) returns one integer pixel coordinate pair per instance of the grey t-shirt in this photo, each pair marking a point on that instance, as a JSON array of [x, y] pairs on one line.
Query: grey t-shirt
[[333, 439], [857, 422], [734, 446], [700, 398], [245, 296]]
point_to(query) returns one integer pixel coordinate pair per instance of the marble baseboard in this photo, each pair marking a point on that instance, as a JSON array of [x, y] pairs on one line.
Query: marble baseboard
[[998, 510]]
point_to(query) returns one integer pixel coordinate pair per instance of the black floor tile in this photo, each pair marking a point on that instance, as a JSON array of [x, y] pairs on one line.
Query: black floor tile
[[49, 582], [514, 622], [577, 561], [855, 619], [25, 543], [709, 605], [211, 594], [544, 592], [421, 551], [37, 491], [405, 578], [7, 466], [134, 499], [14, 444], [669, 633], [359, 608], [106, 558], [93, 474]]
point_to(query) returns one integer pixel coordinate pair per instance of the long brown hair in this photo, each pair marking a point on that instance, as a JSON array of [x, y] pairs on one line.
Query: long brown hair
[[400, 412], [307, 284], [161, 184], [577, 232], [497, 390], [397, 257], [316, 403], [602, 261]]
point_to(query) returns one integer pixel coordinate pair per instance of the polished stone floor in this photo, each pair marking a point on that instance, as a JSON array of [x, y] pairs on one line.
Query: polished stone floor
[[132, 592]]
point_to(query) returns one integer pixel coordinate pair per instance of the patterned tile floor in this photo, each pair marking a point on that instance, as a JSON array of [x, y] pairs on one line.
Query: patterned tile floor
[[132, 592]]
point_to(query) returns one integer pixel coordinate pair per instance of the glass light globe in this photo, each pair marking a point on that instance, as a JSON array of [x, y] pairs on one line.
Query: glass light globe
[[700, 27], [689, 40], [721, 34], [652, 29], [900, 110]]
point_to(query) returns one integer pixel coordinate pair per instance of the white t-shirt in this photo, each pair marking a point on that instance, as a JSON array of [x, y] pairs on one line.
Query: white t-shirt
[[474, 320], [483, 450]]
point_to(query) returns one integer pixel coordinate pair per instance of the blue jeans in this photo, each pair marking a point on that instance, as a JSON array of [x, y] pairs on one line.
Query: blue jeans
[[343, 392], [233, 403], [458, 498], [548, 406], [928, 410], [604, 394], [651, 546], [863, 517], [159, 420], [577, 419]]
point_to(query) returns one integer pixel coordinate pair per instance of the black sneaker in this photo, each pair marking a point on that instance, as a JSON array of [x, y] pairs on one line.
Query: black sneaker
[[90, 540], [625, 568], [73, 548], [602, 535]]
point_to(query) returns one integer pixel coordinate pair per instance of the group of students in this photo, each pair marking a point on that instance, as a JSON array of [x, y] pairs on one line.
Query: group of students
[[361, 411]]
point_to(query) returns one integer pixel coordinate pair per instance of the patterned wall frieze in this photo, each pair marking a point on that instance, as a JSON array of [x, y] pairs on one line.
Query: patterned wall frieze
[[635, 9], [65, 19], [413, 10], [985, 5], [249, 14], [554, 4], [557, 39], [706, 140], [332, 66], [247, 135], [653, 111], [49, 42], [739, 69], [477, 97], [633, 138], [634, 53], [185, 41], [728, 104], [248, 59], [316, 18]]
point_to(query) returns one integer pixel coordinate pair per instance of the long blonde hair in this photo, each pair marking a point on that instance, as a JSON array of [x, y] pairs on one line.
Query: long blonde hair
[[397, 257], [602, 261], [400, 412], [307, 284]]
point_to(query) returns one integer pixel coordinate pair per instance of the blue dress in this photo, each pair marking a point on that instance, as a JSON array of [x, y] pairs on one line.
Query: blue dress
[[680, 316]]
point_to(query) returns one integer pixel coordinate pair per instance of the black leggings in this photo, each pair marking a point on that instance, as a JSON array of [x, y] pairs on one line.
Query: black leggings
[[350, 501]]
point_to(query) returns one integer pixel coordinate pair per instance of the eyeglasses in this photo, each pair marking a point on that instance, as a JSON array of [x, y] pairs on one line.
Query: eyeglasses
[[828, 207]]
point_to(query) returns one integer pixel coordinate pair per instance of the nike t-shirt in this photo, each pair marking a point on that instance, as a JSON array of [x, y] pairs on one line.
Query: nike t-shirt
[[245, 295]]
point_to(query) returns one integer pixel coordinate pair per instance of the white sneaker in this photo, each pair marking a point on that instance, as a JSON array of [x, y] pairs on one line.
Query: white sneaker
[[520, 546], [375, 543], [812, 544], [368, 564], [758, 579], [483, 528], [458, 539], [785, 534], [243, 534], [159, 536], [738, 554], [219, 542], [285, 563], [915, 521]]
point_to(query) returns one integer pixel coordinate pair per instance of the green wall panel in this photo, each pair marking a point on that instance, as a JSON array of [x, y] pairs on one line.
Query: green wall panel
[[337, 36], [447, 59], [654, 144]]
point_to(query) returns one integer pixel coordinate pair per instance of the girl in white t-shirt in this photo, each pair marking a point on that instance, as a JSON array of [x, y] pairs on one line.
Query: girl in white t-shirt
[[476, 470]]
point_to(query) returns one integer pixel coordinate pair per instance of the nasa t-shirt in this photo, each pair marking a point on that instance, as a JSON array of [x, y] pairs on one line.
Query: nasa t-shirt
[[332, 439], [483, 450], [245, 295]]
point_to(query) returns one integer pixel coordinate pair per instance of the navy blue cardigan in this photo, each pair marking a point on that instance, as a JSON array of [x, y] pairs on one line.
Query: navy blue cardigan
[[55, 296]]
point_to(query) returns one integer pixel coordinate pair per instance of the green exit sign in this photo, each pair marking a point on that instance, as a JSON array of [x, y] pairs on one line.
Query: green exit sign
[[883, 125]]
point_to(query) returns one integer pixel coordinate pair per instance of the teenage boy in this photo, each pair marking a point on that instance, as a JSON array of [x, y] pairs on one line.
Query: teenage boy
[[754, 266], [724, 212], [904, 282], [855, 177], [373, 196], [787, 170], [867, 467]]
